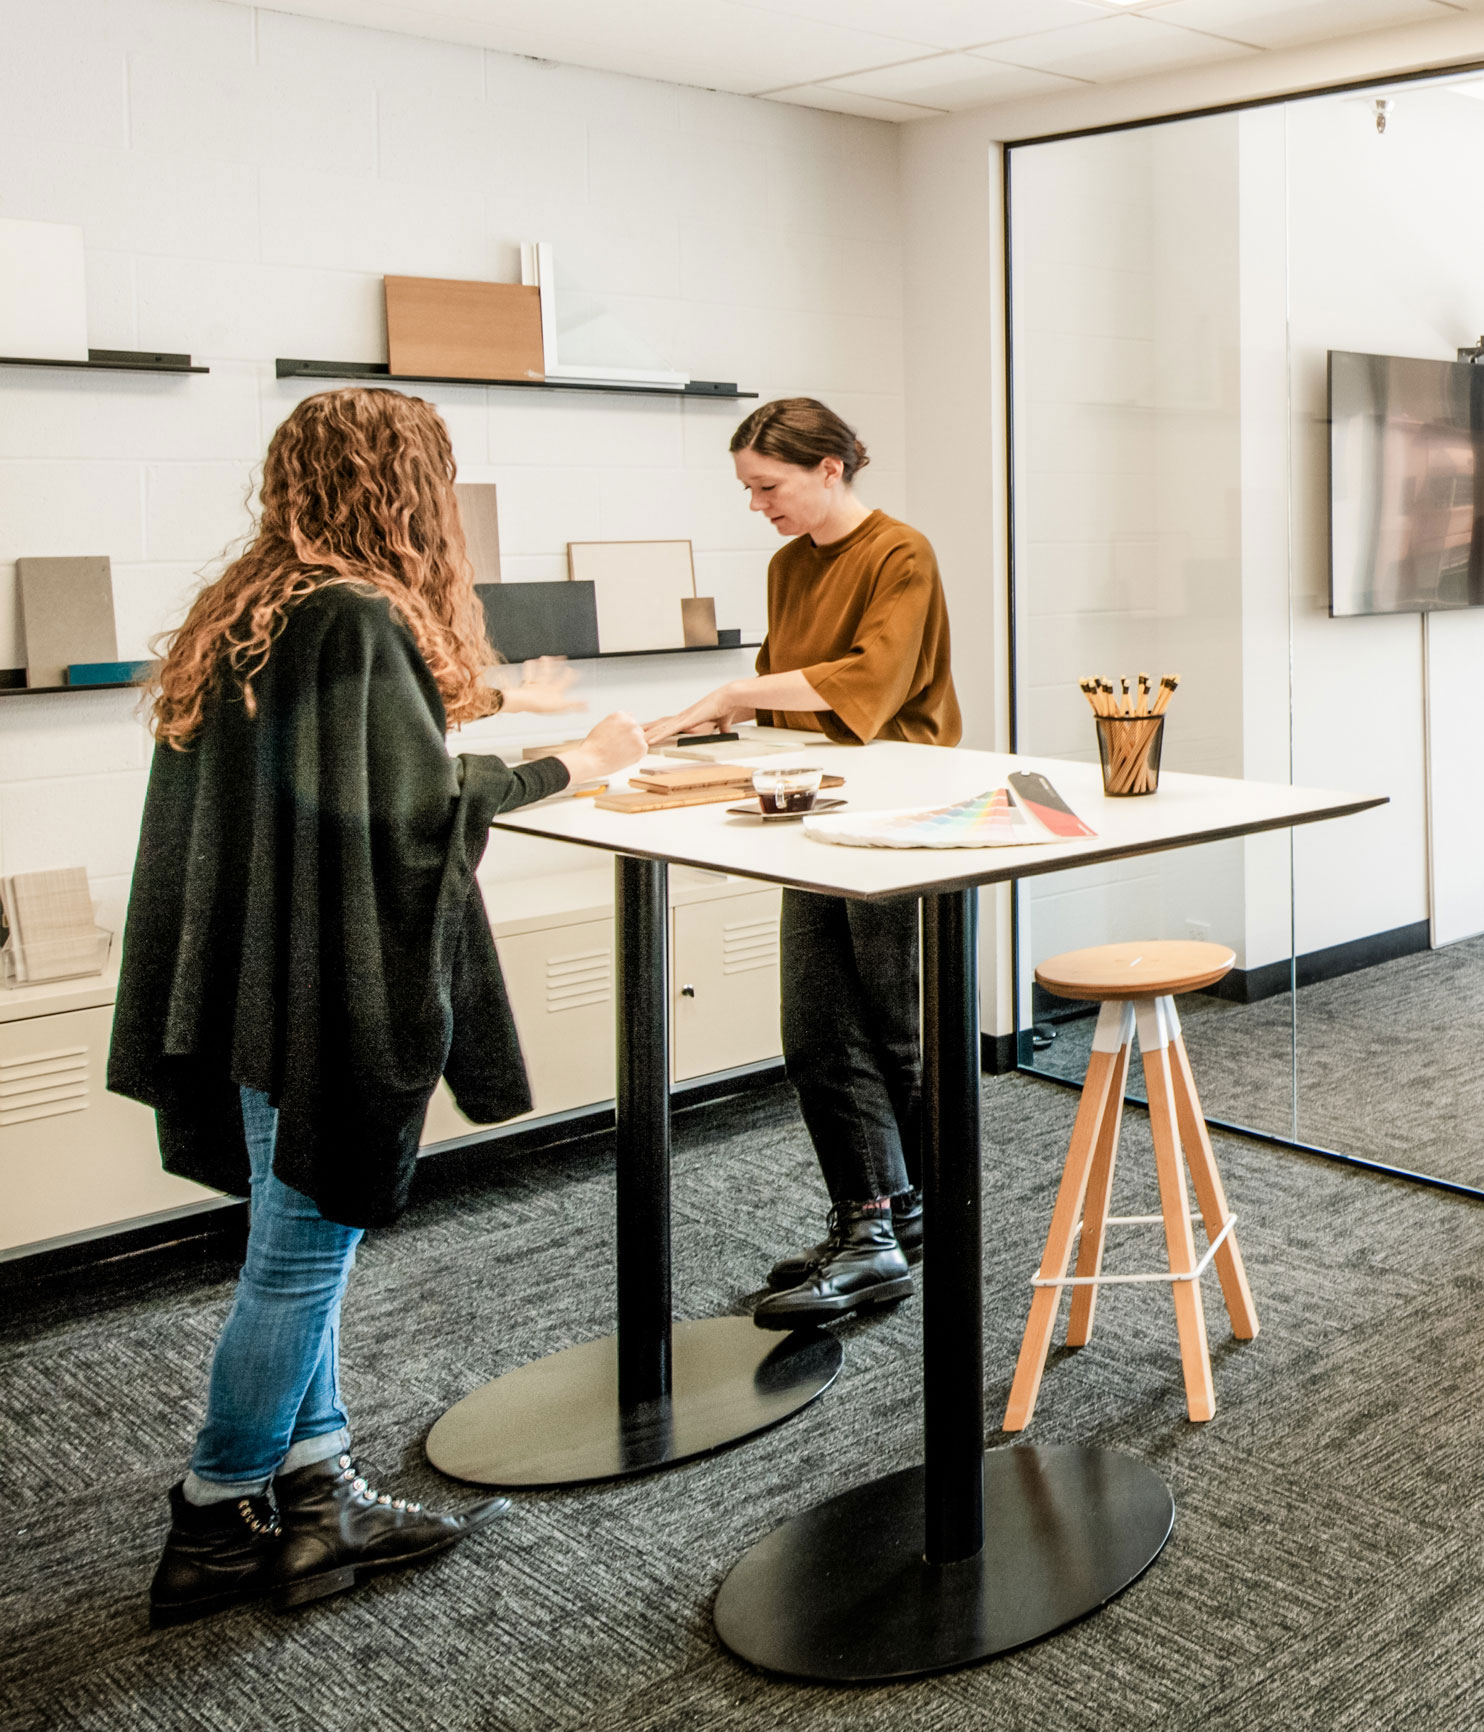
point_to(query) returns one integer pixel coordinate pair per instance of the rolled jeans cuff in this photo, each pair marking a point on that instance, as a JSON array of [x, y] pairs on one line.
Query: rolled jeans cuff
[[309, 1450], [200, 1491]]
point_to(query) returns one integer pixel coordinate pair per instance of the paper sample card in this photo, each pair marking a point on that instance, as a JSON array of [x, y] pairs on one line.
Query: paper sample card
[[993, 819], [43, 292], [67, 611], [639, 587]]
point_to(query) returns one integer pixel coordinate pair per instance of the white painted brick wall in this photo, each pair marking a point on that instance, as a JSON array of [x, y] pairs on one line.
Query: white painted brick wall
[[244, 178]]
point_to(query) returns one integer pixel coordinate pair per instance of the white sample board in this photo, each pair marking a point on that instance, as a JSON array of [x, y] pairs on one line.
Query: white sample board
[[1453, 654], [639, 586], [43, 292]]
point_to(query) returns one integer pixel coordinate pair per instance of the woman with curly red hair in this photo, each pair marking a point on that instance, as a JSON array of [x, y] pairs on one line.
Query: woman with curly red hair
[[307, 953]]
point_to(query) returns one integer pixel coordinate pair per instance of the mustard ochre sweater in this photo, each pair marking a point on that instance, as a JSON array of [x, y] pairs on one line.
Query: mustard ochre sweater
[[864, 620]]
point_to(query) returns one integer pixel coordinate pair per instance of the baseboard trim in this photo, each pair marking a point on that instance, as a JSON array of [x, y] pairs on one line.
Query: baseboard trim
[[217, 1228], [997, 1054], [1252, 985]]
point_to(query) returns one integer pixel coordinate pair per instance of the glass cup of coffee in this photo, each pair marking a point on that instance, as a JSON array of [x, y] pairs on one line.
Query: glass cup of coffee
[[790, 789]]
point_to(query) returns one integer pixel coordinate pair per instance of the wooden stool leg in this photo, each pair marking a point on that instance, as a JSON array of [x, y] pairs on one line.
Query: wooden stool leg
[[1209, 1191], [1095, 1209], [1154, 1044], [1111, 1035]]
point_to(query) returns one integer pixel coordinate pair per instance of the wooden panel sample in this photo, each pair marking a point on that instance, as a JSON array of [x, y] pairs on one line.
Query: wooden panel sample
[[445, 328], [540, 619], [698, 620], [67, 610], [480, 516], [639, 586]]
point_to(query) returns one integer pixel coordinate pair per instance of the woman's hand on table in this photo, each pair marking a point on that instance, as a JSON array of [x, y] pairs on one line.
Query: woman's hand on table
[[717, 713], [544, 688], [614, 744]]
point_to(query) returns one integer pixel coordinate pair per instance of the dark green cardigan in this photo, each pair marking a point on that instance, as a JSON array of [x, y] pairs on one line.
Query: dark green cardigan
[[304, 919]]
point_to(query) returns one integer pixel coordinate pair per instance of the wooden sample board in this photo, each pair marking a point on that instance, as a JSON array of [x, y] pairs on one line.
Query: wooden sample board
[[639, 586], [479, 513], [445, 328]]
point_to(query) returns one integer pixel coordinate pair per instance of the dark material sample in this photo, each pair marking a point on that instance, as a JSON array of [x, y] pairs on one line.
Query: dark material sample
[[541, 619]]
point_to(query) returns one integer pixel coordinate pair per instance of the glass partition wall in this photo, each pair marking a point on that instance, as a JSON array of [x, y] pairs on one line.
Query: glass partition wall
[[1175, 290]]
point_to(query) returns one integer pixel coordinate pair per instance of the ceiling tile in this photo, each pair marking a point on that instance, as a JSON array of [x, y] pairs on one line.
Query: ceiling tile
[[1113, 48], [717, 44], [941, 23], [1286, 23], [852, 102], [954, 81]]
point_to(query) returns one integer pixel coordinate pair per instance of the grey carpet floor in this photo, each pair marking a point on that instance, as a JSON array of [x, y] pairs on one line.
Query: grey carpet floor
[[1389, 1062], [1323, 1569]]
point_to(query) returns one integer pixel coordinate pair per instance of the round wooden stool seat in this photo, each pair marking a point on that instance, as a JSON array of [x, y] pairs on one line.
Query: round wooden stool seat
[[1162, 967]]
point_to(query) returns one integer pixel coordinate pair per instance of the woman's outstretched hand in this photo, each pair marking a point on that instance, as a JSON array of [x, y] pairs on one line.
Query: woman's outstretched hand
[[616, 743], [544, 688], [717, 713]]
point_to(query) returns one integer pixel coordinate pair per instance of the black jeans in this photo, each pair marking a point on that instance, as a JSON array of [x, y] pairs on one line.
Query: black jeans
[[852, 1038]]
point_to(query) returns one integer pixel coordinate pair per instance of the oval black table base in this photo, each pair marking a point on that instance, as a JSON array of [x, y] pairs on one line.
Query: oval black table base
[[842, 1593], [557, 1420]]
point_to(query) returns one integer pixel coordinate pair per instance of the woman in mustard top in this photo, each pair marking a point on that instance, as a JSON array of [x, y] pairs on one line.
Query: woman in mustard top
[[857, 649]]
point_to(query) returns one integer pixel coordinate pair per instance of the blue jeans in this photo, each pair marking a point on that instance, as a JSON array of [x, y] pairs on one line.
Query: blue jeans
[[274, 1400]]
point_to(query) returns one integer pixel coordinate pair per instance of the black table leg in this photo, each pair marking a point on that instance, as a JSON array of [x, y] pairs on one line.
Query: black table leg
[[972, 1553], [654, 1393]]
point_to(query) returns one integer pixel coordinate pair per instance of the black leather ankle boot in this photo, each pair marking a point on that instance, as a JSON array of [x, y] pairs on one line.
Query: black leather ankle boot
[[906, 1223], [217, 1555], [337, 1528], [862, 1265]]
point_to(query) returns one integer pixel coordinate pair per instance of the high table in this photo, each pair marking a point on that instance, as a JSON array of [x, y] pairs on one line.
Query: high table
[[895, 1577]]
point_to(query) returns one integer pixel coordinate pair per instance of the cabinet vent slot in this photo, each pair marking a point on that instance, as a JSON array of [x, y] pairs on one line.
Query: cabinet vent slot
[[749, 944], [586, 977], [43, 1084]]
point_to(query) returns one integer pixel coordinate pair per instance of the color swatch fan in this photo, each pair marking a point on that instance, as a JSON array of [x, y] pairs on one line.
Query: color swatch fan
[[990, 820]]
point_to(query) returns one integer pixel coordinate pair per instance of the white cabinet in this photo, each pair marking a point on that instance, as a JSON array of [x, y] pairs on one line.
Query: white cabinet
[[560, 982], [72, 1156], [724, 981]]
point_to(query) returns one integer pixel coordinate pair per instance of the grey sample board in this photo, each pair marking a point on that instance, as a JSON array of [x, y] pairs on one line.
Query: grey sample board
[[67, 611], [540, 619]]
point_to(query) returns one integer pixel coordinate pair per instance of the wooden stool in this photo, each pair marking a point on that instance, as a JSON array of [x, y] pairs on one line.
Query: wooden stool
[[1136, 984]]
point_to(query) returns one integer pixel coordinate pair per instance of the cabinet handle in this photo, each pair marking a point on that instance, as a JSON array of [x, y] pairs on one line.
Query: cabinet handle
[[687, 992]]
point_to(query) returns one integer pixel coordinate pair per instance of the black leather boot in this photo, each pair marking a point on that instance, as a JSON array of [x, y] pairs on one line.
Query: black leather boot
[[862, 1265], [338, 1528], [906, 1222], [217, 1555]]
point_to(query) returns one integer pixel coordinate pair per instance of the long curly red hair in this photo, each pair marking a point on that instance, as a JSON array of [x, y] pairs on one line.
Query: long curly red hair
[[357, 488]]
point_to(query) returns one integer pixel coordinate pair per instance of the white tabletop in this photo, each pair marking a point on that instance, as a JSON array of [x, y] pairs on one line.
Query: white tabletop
[[886, 774]]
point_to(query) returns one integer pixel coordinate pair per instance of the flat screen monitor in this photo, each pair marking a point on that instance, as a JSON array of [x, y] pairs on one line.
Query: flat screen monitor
[[1406, 484]]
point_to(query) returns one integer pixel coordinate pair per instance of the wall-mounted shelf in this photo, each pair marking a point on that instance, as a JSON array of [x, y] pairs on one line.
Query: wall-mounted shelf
[[379, 371], [694, 649], [9, 691], [114, 361], [40, 691]]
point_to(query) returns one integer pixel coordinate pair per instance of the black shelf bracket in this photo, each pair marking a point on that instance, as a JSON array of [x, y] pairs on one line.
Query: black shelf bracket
[[114, 361], [379, 371]]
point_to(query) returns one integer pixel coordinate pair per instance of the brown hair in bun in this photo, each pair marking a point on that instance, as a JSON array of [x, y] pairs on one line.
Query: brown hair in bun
[[802, 431]]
